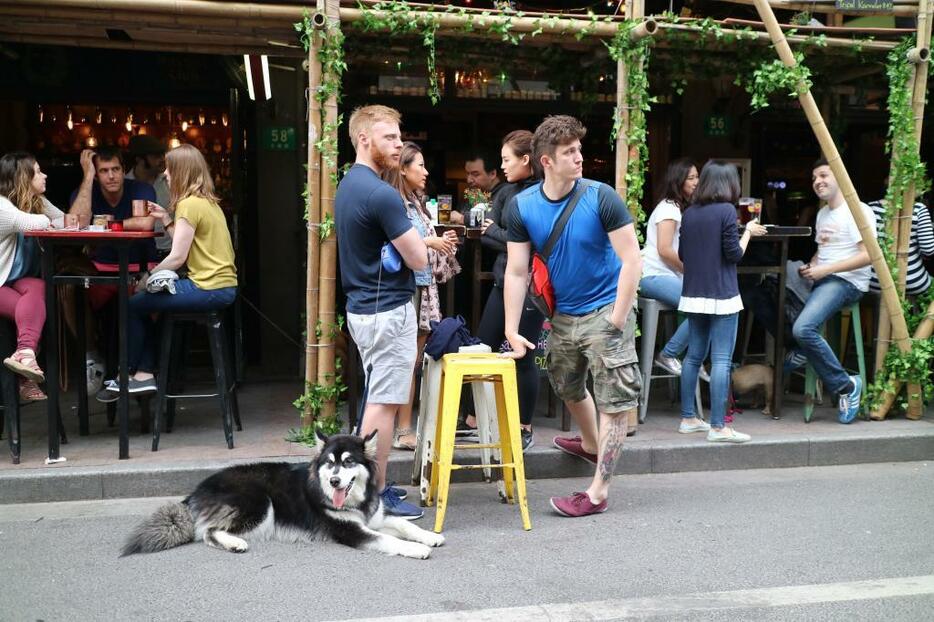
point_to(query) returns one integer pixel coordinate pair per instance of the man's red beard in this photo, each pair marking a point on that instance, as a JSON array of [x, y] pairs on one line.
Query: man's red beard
[[382, 161]]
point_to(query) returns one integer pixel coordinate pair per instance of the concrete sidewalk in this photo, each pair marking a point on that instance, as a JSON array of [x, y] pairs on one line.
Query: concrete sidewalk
[[196, 448]]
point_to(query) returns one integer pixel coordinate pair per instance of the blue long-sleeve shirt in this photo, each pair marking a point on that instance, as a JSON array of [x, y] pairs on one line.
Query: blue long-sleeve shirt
[[709, 248]]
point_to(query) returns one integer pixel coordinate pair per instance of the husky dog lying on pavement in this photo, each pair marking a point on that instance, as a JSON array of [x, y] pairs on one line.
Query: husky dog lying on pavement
[[333, 498]]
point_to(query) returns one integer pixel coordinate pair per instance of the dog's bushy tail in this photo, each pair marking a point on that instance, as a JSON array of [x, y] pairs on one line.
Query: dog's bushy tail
[[170, 526]]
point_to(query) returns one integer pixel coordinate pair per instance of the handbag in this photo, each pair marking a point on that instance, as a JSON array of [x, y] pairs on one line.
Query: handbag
[[541, 291]]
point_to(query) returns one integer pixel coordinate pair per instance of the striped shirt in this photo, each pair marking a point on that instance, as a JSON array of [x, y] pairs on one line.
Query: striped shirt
[[920, 243]]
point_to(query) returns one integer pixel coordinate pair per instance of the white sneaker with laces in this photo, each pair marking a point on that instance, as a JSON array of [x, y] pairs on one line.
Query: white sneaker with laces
[[727, 435], [690, 428], [669, 364]]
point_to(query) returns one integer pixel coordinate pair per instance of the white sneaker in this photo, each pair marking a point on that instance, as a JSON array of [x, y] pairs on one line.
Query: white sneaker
[[703, 375], [727, 435], [690, 428], [95, 376], [669, 364]]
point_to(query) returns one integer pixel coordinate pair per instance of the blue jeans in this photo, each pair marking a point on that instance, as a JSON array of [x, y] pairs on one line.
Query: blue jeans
[[667, 289], [141, 330], [718, 333], [828, 296]]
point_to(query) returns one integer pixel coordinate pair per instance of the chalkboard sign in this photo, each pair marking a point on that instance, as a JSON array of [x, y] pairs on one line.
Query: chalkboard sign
[[864, 5]]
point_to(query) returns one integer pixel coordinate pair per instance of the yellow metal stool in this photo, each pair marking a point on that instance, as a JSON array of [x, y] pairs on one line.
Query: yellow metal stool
[[456, 369]]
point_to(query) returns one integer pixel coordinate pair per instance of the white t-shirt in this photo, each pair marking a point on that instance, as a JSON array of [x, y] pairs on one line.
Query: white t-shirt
[[652, 263], [838, 239]]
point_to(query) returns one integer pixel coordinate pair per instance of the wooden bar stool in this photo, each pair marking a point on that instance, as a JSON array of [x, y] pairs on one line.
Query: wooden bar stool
[[456, 369]]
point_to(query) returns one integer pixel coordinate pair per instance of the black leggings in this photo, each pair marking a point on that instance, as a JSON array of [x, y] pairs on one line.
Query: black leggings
[[492, 332]]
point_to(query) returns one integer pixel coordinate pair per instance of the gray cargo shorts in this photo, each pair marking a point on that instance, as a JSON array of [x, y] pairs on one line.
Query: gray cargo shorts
[[387, 340], [591, 341]]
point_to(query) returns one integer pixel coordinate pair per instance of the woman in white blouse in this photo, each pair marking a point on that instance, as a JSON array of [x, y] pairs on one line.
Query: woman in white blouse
[[662, 271], [23, 207]]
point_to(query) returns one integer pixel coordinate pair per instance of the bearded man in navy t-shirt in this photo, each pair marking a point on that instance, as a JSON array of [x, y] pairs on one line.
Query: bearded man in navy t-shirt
[[369, 213], [595, 268]]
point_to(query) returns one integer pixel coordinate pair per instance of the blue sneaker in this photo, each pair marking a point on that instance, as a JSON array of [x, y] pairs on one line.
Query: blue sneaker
[[402, 493], [394, 506], [849, 404], [793, 360]]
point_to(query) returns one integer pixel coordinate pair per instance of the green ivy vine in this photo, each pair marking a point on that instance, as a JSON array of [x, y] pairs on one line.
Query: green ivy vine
[[774, 75], [635, 55], [333, 66], [906, 169]]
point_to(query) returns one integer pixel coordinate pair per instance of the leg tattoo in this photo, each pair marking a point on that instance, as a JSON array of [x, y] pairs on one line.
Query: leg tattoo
[[612, 445]]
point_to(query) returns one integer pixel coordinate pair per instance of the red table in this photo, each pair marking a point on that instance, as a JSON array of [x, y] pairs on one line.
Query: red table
[[48, 241]]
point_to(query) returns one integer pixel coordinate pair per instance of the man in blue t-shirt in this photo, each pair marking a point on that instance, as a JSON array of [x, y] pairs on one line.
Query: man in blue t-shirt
[[369, 213], [106, 190], [594, 267]]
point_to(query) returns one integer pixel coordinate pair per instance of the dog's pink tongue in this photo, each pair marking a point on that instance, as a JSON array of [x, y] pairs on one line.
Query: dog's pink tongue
[[340, 495]]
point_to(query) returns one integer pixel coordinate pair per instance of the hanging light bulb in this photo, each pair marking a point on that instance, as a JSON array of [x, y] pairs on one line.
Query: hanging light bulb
[[70, 122], [201, 117], [99, 117], [184, 126], [224, 119], [91, 142], [213, 120], [113, 118], [129, 122], [41, 114]]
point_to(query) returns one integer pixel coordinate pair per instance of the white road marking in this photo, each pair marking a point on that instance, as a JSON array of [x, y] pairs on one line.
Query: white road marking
[[671, 605]]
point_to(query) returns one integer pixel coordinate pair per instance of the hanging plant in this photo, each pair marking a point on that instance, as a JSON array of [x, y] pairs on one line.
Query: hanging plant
[[635, 56], [907, 169]]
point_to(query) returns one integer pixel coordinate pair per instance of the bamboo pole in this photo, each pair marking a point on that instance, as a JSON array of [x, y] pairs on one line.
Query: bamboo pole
[[327, 279], [866, 229], [903, 8], [919, 57], [146, 46], [925, 328], [313, 179], [833, 42]]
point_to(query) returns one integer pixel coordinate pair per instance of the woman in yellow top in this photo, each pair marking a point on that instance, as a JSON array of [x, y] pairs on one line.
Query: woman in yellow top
[[200, 240]]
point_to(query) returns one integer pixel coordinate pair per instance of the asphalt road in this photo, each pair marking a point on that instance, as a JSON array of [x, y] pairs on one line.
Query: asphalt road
[[829, 543]]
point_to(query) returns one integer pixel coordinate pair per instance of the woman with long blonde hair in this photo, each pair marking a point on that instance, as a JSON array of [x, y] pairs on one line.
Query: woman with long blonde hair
[[23, 207], [200, 241]]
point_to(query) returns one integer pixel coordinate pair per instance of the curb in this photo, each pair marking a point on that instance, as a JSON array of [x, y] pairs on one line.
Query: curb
[[641, 457]]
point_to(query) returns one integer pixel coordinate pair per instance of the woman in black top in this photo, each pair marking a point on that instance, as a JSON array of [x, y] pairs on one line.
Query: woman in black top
[[520, 174]]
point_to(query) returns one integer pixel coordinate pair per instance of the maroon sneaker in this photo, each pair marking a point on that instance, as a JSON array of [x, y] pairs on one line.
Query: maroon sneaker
[[578, 504], [573, 446]]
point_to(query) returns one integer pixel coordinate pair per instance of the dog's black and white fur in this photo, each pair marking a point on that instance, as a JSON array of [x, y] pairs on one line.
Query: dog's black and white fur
[[334, 497]]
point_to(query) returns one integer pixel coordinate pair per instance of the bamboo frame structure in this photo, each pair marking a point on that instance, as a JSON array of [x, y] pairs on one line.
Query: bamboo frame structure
[[327, 279], [902, 235], [866, 229], [919, 93], [313, 179]]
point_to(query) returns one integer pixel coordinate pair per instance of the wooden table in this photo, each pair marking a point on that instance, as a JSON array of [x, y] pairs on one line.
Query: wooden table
[[48, 241], [781, 236]]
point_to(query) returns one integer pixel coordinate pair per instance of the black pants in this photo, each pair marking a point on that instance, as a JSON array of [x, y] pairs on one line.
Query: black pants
[[492, 332]]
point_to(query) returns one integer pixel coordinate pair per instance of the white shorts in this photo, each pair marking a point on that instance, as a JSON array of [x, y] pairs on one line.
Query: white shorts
[[387, 340]]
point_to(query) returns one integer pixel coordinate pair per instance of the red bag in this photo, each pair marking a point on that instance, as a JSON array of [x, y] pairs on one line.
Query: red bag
[[541, 291]]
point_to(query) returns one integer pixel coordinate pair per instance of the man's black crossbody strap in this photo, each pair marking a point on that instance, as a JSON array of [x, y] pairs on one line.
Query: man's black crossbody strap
[[582, 186]]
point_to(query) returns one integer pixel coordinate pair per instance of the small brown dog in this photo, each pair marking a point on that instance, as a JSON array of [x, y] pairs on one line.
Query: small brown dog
[[757, 380]]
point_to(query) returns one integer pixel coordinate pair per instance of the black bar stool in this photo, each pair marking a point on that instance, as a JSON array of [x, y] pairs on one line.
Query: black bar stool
[[9, 418], [224, 373]]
